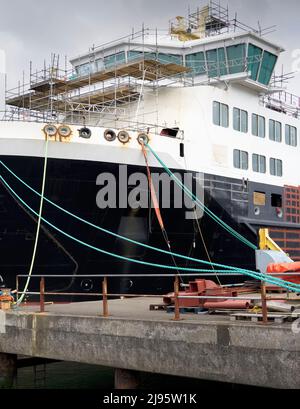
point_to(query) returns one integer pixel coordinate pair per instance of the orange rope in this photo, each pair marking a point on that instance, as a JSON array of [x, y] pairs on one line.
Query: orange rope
[[152, 191]]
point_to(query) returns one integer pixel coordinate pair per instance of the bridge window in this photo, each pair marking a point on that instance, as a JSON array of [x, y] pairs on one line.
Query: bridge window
[[161, 57], [196, 62], [114, 59], [267, 67], [220, 114], [290, 135], [275, 167], [258, 163], [275, 131], [236, 58], [254, 58], [240, 120], [240, 159], [84, 69], [258, 126], [216, 62]]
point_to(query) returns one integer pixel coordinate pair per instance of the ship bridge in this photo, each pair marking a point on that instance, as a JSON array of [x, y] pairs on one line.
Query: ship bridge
[[205, 48], [213, 48]]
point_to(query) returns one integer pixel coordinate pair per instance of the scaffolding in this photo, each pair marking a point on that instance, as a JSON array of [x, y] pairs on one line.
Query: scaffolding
[[108, 94], [278, 99], [113, 93], [210, 20]]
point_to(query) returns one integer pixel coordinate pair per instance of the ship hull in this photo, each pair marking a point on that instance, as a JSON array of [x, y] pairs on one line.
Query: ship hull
[[72, 185]]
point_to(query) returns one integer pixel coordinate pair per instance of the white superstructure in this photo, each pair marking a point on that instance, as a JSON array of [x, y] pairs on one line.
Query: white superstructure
[[204, 76]]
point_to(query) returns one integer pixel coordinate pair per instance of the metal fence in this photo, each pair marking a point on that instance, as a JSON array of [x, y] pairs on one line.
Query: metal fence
[[104, 295]]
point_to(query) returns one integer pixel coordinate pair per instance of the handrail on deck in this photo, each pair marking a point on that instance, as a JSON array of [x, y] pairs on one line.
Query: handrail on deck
[[104, 294]]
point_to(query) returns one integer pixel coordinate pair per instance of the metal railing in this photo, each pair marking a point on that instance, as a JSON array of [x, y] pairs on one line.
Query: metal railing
[[104, 294]]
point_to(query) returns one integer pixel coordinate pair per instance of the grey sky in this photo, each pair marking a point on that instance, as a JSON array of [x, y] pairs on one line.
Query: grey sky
[[32, 29]]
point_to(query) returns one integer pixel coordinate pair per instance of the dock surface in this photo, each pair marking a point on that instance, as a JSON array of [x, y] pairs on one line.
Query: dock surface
[[210, 347]]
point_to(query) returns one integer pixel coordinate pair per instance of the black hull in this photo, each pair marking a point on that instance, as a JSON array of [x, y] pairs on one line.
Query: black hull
[[72, 185]]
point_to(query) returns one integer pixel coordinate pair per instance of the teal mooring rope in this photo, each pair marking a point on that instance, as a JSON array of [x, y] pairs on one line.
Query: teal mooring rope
[[200, 204], [256, 275]]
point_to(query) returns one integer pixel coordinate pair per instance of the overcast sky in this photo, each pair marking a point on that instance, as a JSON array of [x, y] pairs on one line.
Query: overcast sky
[[32, 29]]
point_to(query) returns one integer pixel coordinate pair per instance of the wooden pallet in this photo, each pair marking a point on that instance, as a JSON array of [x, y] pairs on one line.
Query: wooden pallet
[[276, 318], [187, 310], [275, 291], [158, 307]]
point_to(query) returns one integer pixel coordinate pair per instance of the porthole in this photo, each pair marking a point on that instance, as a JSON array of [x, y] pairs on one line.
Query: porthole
[[257, 211], [85, 133], [123, 137], [87, 285], [110, 135], [64, 131], [50, 130], [143, 139]]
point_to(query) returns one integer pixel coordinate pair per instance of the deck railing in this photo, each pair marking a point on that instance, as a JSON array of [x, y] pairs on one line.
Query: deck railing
[[104, 295]]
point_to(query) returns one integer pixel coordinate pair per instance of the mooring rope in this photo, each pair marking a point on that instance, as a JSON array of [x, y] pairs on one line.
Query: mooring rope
[[37, 234], [200, 204], [102, 229], [260, 276], [236, 269]]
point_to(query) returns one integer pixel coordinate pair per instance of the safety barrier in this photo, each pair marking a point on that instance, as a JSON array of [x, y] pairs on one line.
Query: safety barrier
[[104, 294]]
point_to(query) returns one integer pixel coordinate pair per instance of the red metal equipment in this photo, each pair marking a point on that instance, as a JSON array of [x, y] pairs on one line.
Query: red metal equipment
[[286, 268], [201, 287]]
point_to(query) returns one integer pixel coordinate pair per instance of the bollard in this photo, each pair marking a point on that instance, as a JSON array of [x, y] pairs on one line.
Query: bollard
[[42, 295], [264, 303], [176, 299], [104, 297]]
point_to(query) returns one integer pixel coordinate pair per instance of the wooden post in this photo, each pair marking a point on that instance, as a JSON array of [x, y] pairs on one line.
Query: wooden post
[[104, 297], [17, 289], [176, 300], [8, 370], [264, 303], [42, 295], [126, 379]]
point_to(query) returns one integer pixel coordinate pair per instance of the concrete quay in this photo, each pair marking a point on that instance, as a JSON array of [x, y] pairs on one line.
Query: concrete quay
[[132, 338]]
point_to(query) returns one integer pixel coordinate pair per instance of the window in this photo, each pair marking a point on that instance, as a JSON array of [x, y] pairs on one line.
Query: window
[[275, 167], [258, 126], [267, 67], [220, 114], [254, 58], [216, 62], [240, 120], [259, 198], [240, 159], [276, 200], [172, 132], [258, 163], [181, 150], [290, 135], [196, 62], [84, 69], [114, 59], [163, 58], [275, 131], [134, 55], [236, 58]]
